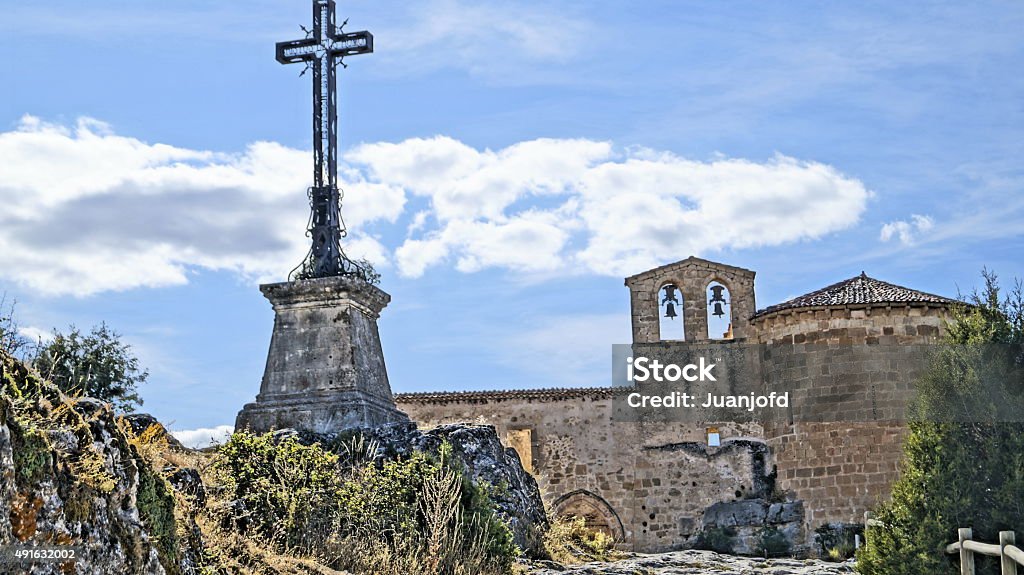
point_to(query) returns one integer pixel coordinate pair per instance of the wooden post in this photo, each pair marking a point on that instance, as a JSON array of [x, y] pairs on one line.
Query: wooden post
[[1009, 566], [966, 556]]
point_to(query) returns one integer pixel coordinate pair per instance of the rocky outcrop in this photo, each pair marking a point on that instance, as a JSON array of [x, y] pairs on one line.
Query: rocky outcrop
[[70, 477], [187, 481], [696, 563]]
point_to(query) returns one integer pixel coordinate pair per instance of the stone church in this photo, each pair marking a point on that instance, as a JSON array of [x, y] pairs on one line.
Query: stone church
[[844, 354]]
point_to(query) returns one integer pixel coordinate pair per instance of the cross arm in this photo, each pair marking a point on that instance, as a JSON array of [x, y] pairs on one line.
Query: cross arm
[[294, 51], [351, 44]]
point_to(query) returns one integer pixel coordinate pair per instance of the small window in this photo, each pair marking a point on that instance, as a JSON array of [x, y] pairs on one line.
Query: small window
[[719, 311], [714, 437], [670, 312]]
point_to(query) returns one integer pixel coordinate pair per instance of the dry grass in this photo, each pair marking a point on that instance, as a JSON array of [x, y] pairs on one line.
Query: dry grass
[[570, 542]]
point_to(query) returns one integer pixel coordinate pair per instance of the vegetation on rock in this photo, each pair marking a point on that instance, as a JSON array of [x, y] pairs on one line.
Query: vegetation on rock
[[410, 515], [771, 542], [270, 505], [74, 475], [838, 541]]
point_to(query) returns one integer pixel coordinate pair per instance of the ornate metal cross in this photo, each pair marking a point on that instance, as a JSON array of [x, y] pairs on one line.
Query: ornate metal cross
[[322, 50]]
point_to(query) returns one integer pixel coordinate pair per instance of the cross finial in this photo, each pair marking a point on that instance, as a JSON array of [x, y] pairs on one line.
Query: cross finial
[[322, 50]]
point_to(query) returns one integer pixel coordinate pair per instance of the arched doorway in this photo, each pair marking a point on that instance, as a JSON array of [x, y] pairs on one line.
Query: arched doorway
[[597, 514]]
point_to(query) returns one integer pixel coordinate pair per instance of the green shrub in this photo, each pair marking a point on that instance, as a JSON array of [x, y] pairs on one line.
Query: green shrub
[[411, 515], [97, 364], [287, 491], [429, 505]]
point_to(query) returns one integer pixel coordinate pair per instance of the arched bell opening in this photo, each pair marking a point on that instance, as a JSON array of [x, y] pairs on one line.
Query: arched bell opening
[[719, 310], [671, 325]]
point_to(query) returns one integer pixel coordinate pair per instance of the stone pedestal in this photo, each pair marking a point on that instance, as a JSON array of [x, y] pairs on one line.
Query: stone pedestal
[[325, 369]]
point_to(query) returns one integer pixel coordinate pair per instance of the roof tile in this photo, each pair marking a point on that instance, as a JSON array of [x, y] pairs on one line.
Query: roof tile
[[857, 290]]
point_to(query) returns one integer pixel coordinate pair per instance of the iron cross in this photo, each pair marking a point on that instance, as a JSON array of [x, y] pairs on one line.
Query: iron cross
[[322, 50]]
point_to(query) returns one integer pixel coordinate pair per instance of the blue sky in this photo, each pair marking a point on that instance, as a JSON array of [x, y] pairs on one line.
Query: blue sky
[[506, 165]]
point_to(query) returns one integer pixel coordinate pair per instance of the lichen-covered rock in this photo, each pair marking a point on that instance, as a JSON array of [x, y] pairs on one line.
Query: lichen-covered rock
[[69, 476], [736, 513], [787, 512]]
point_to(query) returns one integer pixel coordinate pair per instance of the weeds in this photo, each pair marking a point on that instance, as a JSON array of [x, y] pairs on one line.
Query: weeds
[[414, 515], [569, 541]]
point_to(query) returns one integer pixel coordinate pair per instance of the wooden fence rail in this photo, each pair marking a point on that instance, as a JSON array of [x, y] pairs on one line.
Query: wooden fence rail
[[1008, 553]]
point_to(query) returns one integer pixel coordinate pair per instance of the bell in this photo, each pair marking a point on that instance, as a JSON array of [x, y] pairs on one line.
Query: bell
[[670, 311], [716, 294], [718, 310], [670, 294]]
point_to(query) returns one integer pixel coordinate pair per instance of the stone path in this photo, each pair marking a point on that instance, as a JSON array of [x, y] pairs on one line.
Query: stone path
[[697, 563]]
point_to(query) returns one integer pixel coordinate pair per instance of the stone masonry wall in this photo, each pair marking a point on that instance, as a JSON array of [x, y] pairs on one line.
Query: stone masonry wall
[[648, 485], [850, 371]]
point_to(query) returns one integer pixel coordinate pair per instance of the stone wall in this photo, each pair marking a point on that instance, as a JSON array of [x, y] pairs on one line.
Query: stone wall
[[850, 371], [648, 485]]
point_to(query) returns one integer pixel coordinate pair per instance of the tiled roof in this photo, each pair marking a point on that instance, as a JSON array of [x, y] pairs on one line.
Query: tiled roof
[[858, 290], [549, 394], [691, 261]]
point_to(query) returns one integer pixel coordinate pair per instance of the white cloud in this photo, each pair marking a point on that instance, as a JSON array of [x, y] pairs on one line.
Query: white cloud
[[36, 334], [907, 232], [109, 212], [204, 436], [578, 206]]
